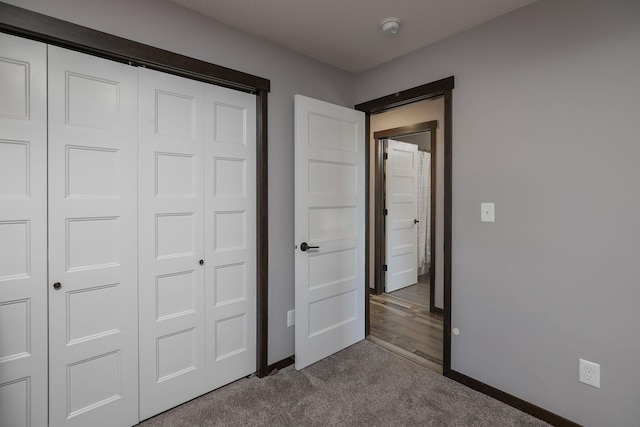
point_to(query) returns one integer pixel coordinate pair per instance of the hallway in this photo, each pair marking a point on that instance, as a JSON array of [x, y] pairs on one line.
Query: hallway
[[401, 322]]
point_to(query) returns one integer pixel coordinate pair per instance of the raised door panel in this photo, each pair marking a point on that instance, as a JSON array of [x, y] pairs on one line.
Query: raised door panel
[[230, 229], [23, 232], [171, 236], [93, 319]]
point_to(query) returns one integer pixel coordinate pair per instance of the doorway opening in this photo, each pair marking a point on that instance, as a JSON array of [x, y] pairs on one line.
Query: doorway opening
[[403, 313], [441, 89], [404, 317], [406, 183]]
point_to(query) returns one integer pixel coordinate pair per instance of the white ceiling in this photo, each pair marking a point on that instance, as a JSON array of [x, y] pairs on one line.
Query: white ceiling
[[346, 33]]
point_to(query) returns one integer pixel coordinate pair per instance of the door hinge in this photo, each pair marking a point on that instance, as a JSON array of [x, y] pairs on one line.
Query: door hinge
[[386, 212], [385, 156], [384, 267]]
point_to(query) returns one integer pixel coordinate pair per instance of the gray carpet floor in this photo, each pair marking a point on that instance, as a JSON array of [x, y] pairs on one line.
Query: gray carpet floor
[[363, 385]]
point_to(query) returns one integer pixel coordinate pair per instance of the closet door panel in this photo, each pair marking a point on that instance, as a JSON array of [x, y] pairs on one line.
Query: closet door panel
[[23, 232], [93, 321], [230, 225], [171, 235]]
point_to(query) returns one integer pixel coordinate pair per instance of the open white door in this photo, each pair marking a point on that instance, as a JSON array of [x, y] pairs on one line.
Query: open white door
[[401, 186], [329, 228]]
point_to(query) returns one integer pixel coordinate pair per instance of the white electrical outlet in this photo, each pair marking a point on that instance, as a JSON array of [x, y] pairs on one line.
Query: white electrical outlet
[[590, 373], [291, 318]]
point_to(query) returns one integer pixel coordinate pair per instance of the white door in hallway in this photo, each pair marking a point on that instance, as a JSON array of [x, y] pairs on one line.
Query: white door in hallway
[[329, 229], [171, 236], [401, 195], [23, 232], [93, 293]]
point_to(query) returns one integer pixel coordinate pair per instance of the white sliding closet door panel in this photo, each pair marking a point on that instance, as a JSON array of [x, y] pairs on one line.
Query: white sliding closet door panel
[[230, 235], [171, 227], [23, 232], [93, 314]]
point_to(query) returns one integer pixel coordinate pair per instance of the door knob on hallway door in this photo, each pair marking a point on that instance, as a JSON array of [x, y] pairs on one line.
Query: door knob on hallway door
[[415, 221], [57, 285], [304, 247]]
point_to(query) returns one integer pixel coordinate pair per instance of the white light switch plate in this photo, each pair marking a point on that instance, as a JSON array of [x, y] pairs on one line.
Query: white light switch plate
[[487, 212]]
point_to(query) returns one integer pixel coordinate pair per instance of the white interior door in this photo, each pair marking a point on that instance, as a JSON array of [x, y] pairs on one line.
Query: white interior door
[[93, 292], [171, 227], [401, 190], [230, 230], [329, 214], [23, 232]]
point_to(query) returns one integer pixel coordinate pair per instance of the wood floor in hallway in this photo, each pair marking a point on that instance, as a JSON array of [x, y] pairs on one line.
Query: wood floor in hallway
[[402, 323]]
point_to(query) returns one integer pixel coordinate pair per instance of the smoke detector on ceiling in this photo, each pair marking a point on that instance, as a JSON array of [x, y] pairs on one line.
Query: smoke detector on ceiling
[[390, 25]]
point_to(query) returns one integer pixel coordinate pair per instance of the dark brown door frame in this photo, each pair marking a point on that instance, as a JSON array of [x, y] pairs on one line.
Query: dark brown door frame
[[435, 89], [24, 23], [379, 202]]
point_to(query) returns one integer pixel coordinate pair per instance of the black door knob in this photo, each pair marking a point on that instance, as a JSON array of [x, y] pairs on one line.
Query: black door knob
[[201, 262], [415, 221], [57, 285], [304, 247]]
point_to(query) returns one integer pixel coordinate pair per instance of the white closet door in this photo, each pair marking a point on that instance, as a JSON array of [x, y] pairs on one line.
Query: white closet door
[[93, 317], [171, 227], [230, 226], [23, 232]]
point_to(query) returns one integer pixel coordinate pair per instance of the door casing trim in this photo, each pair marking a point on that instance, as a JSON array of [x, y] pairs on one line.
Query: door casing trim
[[443, 87]]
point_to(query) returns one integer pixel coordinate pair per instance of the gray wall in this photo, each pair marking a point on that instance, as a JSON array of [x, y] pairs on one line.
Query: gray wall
[[168, 26], [546, 124]]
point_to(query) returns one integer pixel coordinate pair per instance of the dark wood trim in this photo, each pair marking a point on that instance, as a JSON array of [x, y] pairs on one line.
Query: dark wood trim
[[443, 87], [281, 364], [433, 271], [379, 220], [367, 242], [437, 310], [24, 23], [511, 400], [406, 130], [262, 214], [429, 90], [446, 273], [36, 26], [367, 311]]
